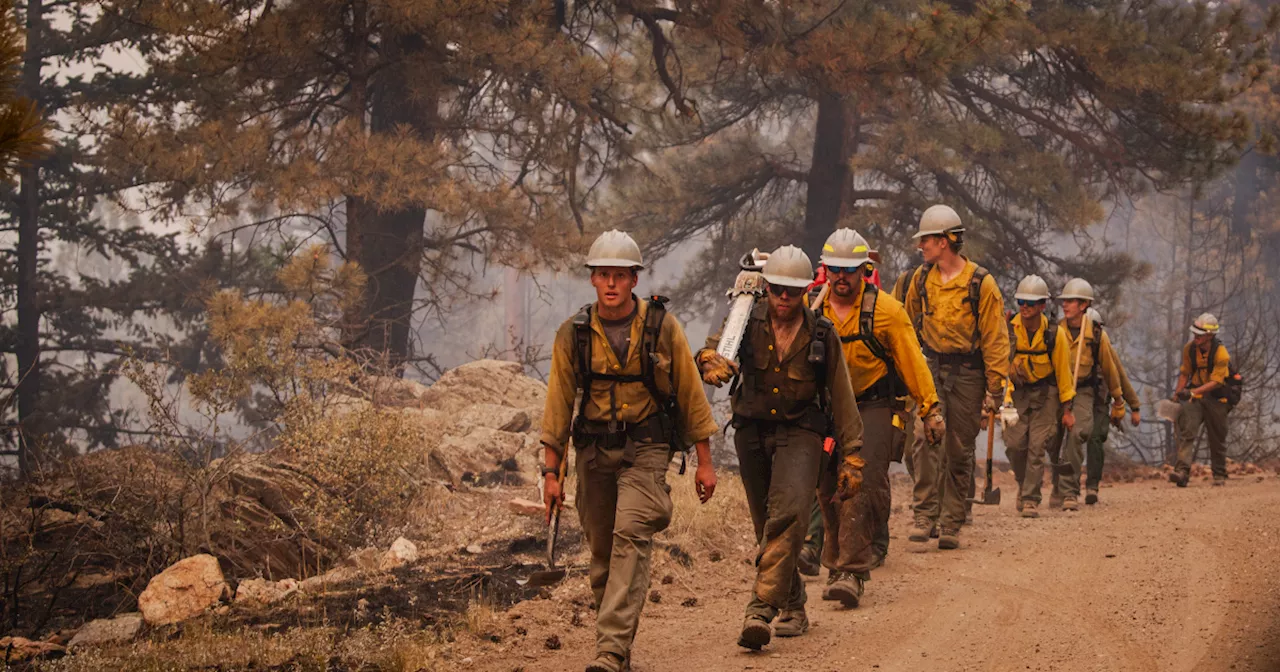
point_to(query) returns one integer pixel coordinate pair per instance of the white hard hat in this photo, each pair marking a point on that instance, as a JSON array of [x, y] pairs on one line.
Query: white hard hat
[[614, 248], [1094, 316], [788, 266], [1207, 323], [846, 248], [937, 220], [1077, 288], [1032, 288]]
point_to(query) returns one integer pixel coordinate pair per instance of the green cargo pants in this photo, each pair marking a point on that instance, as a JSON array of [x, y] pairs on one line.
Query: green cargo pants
[[1097, 450], [1028, 440], [1212, 414], [1066, 483], [780, 464], [621, 507], [854, 525], [944, 472]]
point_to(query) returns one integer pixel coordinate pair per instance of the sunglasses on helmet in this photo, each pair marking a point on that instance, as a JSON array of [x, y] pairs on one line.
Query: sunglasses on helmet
[[779, 290]]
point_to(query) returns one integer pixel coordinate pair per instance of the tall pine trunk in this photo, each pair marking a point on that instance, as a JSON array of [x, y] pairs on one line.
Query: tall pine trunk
[[834, 144], [28, 346], [388, 242]]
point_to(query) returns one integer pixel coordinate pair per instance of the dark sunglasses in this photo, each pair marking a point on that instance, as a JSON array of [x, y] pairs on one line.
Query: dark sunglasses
[[851, 270], [1023, 303], [779, 290]]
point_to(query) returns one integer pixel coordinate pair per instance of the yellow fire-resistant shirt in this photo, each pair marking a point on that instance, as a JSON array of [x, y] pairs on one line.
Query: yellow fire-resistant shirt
[[892, 328], [1126, 386], [1200, 372], [949, 327], [1107, 369], [1032, 361], [630, 401]]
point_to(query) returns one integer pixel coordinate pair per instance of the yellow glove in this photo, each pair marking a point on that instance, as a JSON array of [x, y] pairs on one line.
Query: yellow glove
[[716, 370], [1117, 415], [848, 478]]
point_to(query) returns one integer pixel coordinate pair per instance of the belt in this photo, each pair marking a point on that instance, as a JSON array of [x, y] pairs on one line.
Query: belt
[[1043, 382], [970, 359]]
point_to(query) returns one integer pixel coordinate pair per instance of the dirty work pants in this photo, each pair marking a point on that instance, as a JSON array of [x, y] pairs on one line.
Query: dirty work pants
[[1096, 455], [813, 536], [1212, 414], [621, 507], [1027, 441], [944, 472], [780, 464], [852, 526], [1066, 482]]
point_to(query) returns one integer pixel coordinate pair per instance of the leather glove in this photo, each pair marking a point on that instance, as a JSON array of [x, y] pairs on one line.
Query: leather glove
[[991, 403], [716, 370], [848, 478], [1117, 415], [935, 426], [1183, 395]]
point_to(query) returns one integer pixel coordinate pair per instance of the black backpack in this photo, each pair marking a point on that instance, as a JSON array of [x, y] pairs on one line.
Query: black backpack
[[1233, 390]]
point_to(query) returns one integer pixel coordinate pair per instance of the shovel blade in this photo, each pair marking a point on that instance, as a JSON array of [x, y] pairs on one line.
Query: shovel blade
[[545, 577], [991, 497]]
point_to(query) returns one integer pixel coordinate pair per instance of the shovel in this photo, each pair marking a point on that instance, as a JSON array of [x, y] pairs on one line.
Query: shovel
[[990, 497], [551, 574]]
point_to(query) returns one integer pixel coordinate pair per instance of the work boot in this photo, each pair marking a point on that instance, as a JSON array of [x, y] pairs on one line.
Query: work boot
[[756, 633], [845, 587], [809, 564], [1179, 479], [1019, 506], [1091, 496], [968, 517], [1055, 501], [933, 531], [1219, 480], [1070, 504], [920, 530], [608, 662], [950, 538], [1029, 510], [877, 560], [791, 623]]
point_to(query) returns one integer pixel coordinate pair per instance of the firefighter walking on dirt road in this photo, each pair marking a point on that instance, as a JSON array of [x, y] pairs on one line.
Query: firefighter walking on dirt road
[[1043, 390], [885, 365], [793, 392], [642, 400], [1093, 363], [1203, 390], [1095, 459], [959, 313]]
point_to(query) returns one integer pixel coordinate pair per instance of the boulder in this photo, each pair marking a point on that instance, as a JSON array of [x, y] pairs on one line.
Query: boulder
[[18, 649], [263, 592], [482, 456], [493, 416], [365, 559], [401, 553], [394, 392], [123, 628], [486, 381], [184, 590]]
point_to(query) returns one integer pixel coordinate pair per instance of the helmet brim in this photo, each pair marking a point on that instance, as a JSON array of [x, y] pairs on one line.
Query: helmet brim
[[1021, 296], [1081, 297], [785, 281], [922, 234], [614, 263]]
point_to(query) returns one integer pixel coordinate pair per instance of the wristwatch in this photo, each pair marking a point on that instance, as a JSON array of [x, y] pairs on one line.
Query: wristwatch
[[551, 471]]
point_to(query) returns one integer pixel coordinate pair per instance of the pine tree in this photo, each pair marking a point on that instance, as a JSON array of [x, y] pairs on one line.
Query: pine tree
[[1025, 118], [418, 139]]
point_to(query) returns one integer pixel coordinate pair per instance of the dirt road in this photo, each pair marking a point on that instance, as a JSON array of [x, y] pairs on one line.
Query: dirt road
[[1153, 578]]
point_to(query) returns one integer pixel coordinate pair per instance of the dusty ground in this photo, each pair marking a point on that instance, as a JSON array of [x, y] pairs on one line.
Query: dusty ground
[[1153, 578]]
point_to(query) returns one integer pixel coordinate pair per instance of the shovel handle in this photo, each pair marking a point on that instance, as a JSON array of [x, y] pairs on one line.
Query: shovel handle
[[554, 532]]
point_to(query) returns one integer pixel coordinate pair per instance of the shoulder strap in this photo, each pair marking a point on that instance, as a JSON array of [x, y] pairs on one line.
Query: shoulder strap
[[822, 328], [920, 278], [1013, 340], [1050, 335], [867, 323], [1096, 347], [975, 302], [649, 347]]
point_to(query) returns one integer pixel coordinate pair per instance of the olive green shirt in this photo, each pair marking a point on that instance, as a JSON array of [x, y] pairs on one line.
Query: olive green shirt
[[630, 402], [783, 386]]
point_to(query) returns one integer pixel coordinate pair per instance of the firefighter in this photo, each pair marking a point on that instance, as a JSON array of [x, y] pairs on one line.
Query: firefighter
[[1203, 390], [792, 393], [642, 399], [959, 313], [1104, 405]]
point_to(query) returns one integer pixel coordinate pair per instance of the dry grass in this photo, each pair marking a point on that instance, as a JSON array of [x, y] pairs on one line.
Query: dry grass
[[722, 525]]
